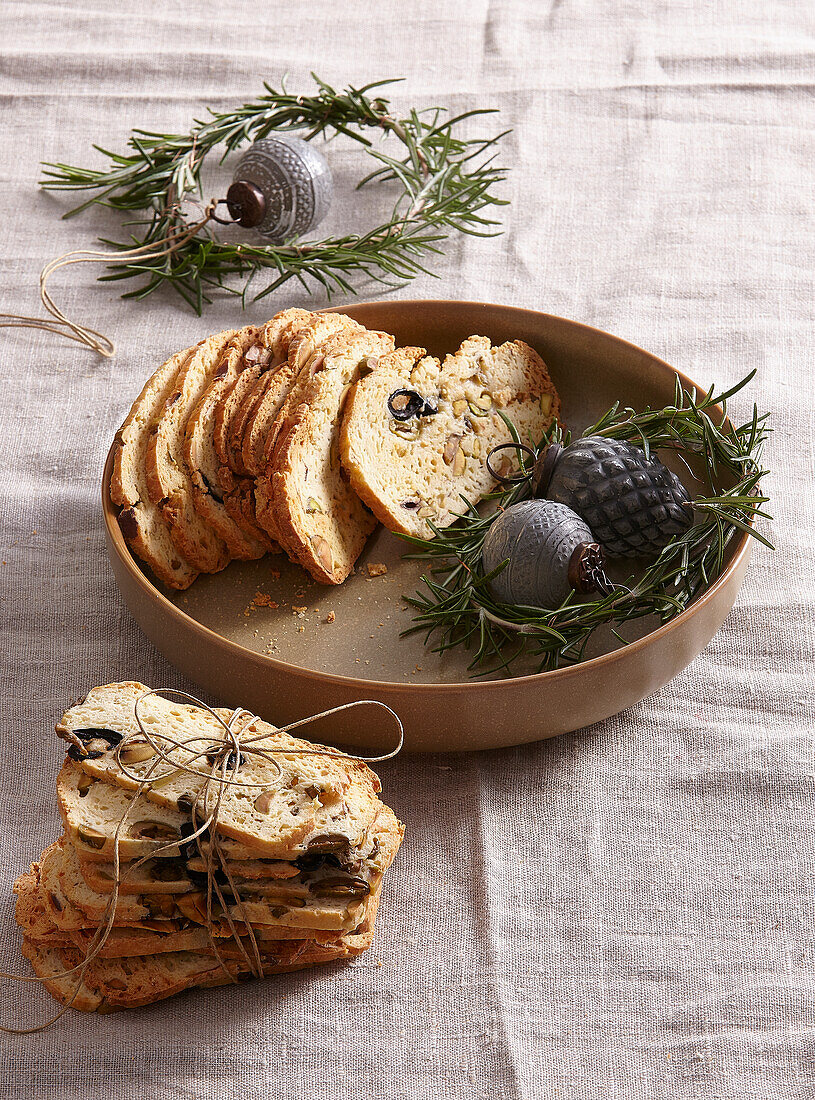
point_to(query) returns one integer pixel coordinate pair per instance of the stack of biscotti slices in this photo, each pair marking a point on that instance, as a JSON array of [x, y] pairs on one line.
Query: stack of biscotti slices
[[303, 433], [288, 876]]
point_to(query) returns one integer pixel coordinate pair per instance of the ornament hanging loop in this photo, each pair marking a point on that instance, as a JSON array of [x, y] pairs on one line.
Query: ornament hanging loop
[[514, 479], [246, 204]]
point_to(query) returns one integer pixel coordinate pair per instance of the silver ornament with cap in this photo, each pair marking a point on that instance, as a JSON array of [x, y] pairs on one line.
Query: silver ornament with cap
[[282, 188], [550, 552]]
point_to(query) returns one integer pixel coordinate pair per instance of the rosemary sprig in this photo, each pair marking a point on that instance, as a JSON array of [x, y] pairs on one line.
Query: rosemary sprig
[[455, 606], [446, 184]]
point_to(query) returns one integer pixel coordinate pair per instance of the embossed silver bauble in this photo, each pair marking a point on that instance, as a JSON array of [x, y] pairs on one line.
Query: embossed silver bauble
[[550, 552], [282, 188], [633, 504]]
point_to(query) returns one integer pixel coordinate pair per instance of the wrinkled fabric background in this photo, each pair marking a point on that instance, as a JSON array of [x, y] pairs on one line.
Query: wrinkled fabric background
[[621, 914]]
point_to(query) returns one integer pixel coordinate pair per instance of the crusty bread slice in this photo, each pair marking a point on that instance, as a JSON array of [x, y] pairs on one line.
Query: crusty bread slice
[[199, 447], [127, 941], [290, 908], [168, 480], [418, 469], [50, 964], [255, 429], [310, 798], [314, 330], [91, 810], [134, 982], [320, 520], [210, 430], [30, 912], [231, 415], [171, 876], [278, 335], [234, 485], [131, 982], [142, 522], [244, 414]]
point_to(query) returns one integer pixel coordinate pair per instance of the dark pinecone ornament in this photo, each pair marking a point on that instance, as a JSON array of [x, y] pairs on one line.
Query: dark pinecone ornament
[[633, 504]]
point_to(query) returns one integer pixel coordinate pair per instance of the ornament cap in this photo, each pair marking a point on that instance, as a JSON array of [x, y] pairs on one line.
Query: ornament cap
[[246, 203], [544, 468], [587, 569]]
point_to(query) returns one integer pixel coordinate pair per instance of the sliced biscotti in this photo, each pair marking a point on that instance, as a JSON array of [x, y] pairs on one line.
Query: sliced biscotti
[[294, 905], [240, 401], [210, 430], [131, 983], [319, 519], [256, 434], [235, 485], [142, 523], [199, 446], [172, 876], [168, 480], [111, 983], [416, 433], [278, 336], [50, 964], [91, 811], [30, 912], [310, 791], [256, 444]]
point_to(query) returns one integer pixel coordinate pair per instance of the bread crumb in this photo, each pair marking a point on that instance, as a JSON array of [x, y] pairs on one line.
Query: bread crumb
[[274, 574], [377, 569], [330, 617], [260, 599], [299, 610]]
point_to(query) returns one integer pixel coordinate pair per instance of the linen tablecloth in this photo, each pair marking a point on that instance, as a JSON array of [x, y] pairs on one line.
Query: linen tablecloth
[[620, 914]]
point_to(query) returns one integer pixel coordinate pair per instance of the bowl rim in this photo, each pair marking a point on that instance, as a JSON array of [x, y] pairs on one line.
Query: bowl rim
[[604, 660]]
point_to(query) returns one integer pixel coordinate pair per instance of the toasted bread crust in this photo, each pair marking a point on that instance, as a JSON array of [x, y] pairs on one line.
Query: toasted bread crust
[[201, 457], [320, 520], [142, 523], [168, 481]]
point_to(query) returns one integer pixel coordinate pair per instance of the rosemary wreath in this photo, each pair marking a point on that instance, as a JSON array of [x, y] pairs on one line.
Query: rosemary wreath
[[455, 607], [446, 185]]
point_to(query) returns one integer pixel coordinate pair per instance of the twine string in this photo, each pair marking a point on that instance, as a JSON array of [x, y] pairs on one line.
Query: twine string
[[225, 756], [62, 325]]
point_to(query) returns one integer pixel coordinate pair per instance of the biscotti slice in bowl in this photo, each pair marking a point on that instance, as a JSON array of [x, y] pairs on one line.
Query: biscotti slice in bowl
[[142, 522], [233, 409], [305, 359], [261, 351], [319, 519], [280, 335], [199, 446], [416, 434], [168, 480]]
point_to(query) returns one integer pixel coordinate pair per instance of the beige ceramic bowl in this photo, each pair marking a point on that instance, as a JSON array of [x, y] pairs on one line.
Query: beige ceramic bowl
[[285, 664]]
